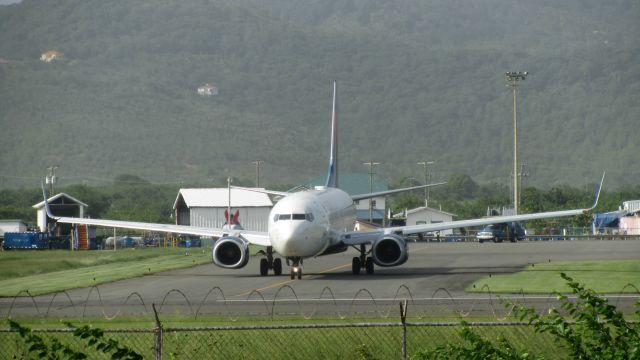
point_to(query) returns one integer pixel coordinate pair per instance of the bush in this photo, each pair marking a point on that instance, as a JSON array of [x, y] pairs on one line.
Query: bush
[[591, 329]]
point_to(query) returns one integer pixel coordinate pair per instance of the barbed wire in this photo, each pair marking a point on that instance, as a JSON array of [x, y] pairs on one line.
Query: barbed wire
[[286, 302]]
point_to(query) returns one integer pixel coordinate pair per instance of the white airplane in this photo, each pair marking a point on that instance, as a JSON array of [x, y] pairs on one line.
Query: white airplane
[[316, 222]]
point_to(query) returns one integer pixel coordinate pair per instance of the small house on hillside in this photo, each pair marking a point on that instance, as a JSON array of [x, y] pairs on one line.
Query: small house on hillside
[[208, 90], [51, 55]]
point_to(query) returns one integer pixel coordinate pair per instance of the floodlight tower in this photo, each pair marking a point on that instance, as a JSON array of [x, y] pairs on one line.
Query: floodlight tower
[[513, 78], [51, 178]]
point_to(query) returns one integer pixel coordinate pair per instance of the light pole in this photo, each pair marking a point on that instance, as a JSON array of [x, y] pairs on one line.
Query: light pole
[[371, 165], [427, 180], [51, 178], [258, 163], [513, 78]]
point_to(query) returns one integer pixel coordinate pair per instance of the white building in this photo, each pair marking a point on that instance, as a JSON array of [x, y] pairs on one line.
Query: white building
[[12, 226], [60, 205], [425, 215], [206, 208], [207, 90], [51, 55]]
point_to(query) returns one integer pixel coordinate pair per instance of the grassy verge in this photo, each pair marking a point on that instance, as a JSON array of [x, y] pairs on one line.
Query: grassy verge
[[42, 272], [331, 342], [605, 277]]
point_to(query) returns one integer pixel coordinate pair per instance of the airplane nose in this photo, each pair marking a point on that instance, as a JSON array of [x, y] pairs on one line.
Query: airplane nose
[[296, 240]]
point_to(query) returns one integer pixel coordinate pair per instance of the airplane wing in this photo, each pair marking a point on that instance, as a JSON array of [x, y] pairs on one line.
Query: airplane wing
[[263, 191], [369, 236], [394, 191], [254, 237]]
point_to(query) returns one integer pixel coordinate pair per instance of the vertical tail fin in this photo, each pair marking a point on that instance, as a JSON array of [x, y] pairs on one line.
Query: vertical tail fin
[[332, 172]]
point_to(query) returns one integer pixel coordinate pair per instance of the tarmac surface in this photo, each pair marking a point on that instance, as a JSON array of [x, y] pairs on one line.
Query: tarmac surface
[[432, 280]]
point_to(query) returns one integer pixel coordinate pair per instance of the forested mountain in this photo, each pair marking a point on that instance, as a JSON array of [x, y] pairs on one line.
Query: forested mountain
[[418, 80]]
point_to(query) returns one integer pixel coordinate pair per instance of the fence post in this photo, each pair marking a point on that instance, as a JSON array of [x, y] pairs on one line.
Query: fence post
[[403, 320], [158, 335]]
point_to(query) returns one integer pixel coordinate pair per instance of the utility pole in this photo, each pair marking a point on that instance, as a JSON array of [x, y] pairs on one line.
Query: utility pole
[[229, 181], [258, 164], [371, 173], [513, 78], [522, 174], [427, 180]]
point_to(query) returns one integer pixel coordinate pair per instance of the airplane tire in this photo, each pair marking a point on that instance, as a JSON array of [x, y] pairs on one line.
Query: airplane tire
[[299, 273], [355, 265], [369, 265], [293, 274], [277, 266], [264, 267]]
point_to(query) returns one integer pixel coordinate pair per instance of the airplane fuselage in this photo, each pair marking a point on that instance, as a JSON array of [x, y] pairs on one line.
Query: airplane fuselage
[[305, 224]]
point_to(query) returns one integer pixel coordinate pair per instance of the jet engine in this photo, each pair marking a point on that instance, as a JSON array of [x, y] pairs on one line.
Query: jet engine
[[231, 252], [389, 250]]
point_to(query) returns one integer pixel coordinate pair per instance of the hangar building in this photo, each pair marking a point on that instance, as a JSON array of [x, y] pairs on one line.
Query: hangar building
[[206, 207]]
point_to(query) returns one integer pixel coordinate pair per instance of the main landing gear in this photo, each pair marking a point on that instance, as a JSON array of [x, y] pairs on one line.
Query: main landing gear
[[363, 261], [296, 267], [270, 263]]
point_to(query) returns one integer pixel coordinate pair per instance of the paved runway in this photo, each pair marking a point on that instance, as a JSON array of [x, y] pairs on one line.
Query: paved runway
[[433, 279]]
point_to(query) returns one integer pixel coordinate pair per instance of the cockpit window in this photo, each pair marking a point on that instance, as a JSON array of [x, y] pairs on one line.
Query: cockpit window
[[284, 217], [308, 217]]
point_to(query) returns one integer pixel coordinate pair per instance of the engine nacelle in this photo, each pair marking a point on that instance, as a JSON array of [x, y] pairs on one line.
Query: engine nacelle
[[389, 250], [231, 252]]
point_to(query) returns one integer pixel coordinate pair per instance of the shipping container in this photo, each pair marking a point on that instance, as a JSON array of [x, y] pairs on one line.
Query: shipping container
[[26, 240]]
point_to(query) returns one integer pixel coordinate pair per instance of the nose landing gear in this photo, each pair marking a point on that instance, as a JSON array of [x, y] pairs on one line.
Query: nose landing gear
[[296, 267]]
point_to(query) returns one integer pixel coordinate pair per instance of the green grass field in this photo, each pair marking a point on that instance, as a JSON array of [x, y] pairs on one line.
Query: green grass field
[[347, 341], [605, 277], [42, 272]]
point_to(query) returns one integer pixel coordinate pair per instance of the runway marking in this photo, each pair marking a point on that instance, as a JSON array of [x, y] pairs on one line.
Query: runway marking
[[270, 286], [290, 281], [411, 249], [334, 268]]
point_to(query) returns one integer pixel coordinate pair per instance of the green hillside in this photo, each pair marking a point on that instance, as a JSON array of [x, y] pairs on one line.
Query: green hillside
[[417, 80]]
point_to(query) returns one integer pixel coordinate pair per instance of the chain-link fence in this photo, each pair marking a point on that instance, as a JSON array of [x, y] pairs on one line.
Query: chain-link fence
[[319, 341]]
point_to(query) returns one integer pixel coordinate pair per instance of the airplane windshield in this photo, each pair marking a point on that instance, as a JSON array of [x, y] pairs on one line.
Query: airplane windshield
[[308, 217]]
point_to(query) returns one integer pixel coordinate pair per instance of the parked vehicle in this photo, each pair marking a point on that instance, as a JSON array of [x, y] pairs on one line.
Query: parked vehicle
[[500, 232]]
